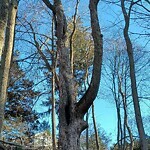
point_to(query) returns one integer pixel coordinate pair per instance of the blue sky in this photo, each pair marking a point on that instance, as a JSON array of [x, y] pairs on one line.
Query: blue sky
[[105, 114]]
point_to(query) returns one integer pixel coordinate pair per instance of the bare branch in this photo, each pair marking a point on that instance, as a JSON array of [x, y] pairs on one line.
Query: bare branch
[[90, 95], [72, 35], [49, 5]]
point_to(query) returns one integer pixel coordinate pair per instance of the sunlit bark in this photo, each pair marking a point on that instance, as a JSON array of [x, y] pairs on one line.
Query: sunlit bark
[[6, 57], [3, 21], [54, 59]]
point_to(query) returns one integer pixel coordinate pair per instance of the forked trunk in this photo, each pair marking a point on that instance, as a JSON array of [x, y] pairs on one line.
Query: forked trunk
[[71, 111], [69, 135]]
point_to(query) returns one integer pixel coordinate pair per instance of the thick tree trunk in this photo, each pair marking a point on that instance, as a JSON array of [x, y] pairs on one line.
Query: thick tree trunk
[[6, 57], [69, 135], [3, 21], [71, 112], [143, 142]]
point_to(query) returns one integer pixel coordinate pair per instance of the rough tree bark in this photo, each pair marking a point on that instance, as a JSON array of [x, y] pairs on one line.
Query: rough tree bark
[[71, 111], [6, 57], [143, 142], [3, 21]]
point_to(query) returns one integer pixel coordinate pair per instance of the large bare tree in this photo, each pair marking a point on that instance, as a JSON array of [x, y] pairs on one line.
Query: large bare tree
[[72, 110]]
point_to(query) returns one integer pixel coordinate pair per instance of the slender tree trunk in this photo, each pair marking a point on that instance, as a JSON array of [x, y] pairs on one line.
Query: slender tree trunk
[[117, 103], [53, 91], [124, 133], [87, 132], [126, 120], [138, 116], [51, 68], [3, 22], [6, 57], [72, 36], [123, 95], [119, 129], [95, 129]]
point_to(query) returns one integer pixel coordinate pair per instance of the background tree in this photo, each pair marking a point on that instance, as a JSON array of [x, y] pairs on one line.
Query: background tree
[[19, 106], [132, 74], [103, 138], [83, 53], [118, 69]]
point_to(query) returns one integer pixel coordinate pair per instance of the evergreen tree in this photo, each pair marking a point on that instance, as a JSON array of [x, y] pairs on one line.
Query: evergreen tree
[[19, 106]]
